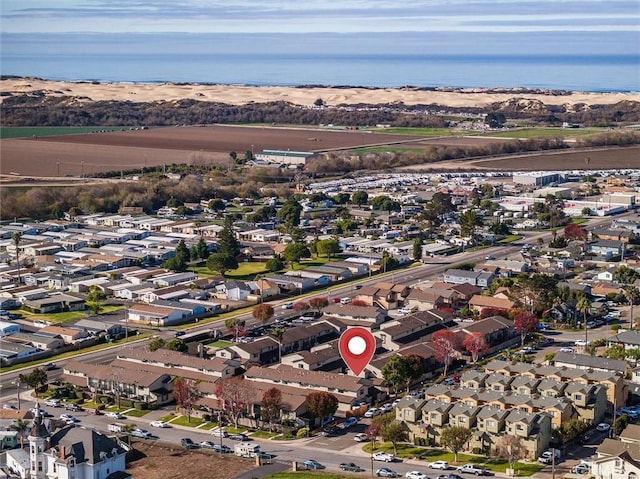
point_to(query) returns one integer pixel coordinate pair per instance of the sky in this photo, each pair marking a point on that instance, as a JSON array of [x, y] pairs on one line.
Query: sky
[[319, 16]]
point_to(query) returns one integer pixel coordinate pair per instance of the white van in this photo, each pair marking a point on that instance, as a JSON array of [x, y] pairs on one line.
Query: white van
[[345, 300]]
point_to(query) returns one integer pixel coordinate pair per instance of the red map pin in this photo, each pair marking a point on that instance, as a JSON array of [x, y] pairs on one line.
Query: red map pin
[[356, 346]]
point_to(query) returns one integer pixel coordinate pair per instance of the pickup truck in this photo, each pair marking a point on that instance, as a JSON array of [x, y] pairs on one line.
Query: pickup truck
[[116, 427], [473, 469], [351, 467]]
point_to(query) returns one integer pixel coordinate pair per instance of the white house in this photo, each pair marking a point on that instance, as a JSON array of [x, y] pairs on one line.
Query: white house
[[70, 452]]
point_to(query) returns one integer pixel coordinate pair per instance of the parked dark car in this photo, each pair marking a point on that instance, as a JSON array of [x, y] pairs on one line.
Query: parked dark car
[[331, 431], [222, 448], [188, 443], [351, 467], [239, 437]]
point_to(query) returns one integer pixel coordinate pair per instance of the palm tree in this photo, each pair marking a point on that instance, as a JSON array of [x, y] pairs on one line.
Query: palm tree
[[633, 296], [16, 241], [584, 305], [21, 426]]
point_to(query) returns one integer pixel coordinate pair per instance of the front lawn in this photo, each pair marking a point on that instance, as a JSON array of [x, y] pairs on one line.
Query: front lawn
[[220, 344], [168, 418], [137, 412], [263, 434], [183, 421]]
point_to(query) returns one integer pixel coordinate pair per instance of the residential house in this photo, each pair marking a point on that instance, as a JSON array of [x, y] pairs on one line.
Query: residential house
[[68, 334], [480, 303], [44, 342], [347, 388], [627, 339], [476, 278], [616, 460], [534, 431], [233, 290], [54, 304], [351, 314], [606, 248], [589, 401], [630, 434], [78, 452], [594, 363], [499, 332], [112, 330]]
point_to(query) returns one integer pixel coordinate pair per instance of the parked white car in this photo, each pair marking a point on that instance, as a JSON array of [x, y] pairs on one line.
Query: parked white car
[[384, 456], [443, 465], [374, 411], [160, 424], [114, 415], [219, 432]]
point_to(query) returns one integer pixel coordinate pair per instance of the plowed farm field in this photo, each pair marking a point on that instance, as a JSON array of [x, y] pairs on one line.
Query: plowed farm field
[[85, 154]]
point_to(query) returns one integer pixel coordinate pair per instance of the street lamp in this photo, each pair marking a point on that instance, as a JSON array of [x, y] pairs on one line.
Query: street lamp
[[17, 383], [220, 429]]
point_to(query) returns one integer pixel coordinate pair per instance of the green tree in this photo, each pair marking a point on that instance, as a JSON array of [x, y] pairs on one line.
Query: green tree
[[21, 427], [294, 252], [94, 299], [156, 343], [274, 264], [499, 227], [321, 404], [394, 432], [263, 312], [217, 204], [584, 306], [388, 262], [235, 325], [36, 379], [632, 294], [620, 424], [227, 241], [222, 262], [202, 250], [328, 247], [417, 249], [625, 275], [341, 198], [180, 260], [455, 438], [395, 372], [318, 303], [441, 203], [360, 198], [177, 344], [16, 243], [495, 119], [289, 214], [469, 221]]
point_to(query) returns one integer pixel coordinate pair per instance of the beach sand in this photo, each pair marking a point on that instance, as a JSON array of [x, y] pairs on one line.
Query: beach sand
[[241, 95]]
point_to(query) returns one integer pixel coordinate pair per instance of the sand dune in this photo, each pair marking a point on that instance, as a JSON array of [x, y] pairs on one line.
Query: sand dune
[[240, 95]]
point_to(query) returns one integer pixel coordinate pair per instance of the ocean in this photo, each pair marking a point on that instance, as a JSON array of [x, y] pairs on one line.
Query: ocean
[[321, 61]]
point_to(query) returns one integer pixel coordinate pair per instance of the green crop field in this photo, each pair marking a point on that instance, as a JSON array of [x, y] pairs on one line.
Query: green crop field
[[419, 131], [546, 132], [31, 131]]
